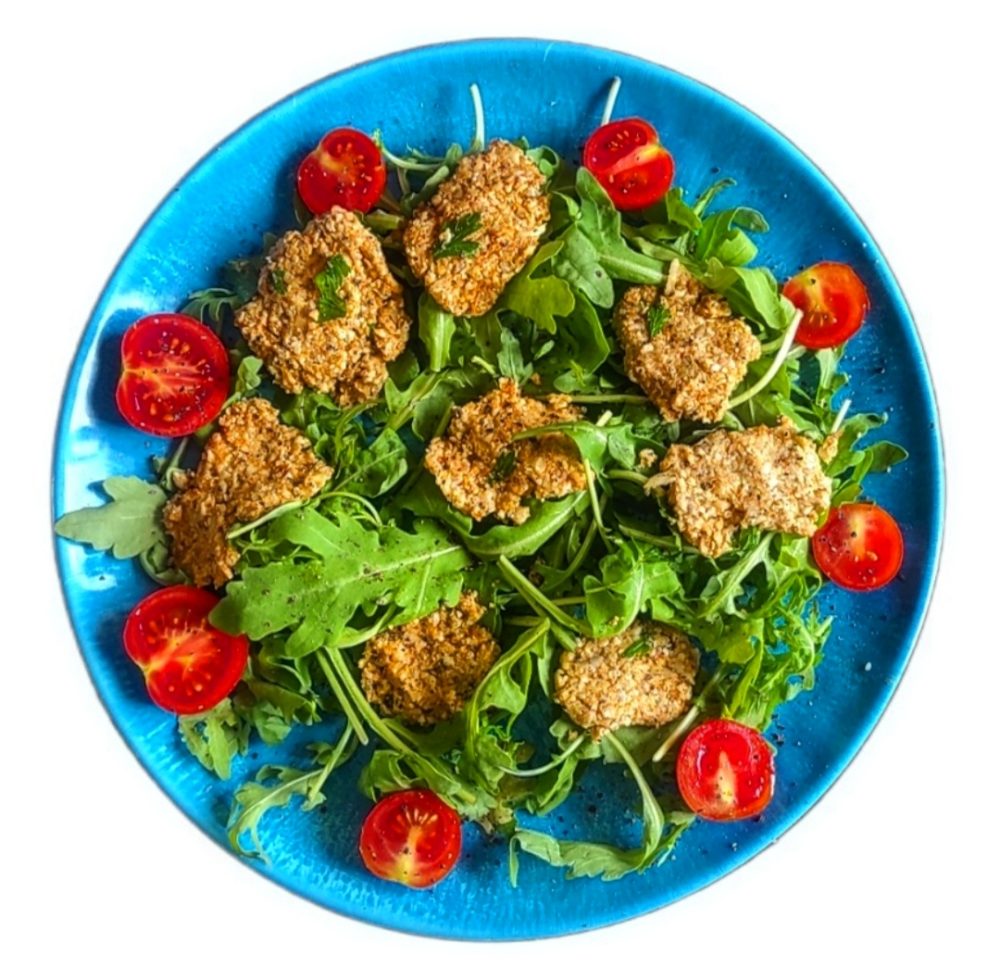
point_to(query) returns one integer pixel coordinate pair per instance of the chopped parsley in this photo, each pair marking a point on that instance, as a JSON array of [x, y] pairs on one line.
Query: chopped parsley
[[278, 283], [639, 648], [657, 317], [503, 467], [331, 304], [454, 240]]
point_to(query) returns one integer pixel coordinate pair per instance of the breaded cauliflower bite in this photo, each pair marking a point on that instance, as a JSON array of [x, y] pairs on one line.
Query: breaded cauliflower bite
[[764, 477], [482, 472], [328, 314], [643, 676], [250, 465], [683, 346], [425, 671], [498, 194]]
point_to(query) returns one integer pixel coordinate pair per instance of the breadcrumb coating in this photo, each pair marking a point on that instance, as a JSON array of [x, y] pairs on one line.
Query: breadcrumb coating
[[482, 472], [770, 478], [507, 191], [691, 365], [643, 676], [251, 464], [425, 671], [344, 356]]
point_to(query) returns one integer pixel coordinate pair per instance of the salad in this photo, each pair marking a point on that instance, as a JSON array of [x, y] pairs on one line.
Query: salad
[[494, 468]]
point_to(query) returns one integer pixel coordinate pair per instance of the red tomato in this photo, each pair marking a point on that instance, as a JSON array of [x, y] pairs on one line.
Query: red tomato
[[725, 771], [189, 665], [345, 170], [833, 301], [175, 375], [860, 547], [412, 837], [629, 162]]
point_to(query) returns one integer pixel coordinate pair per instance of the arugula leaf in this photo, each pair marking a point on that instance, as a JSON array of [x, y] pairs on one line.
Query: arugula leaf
[[454, 240], [129, 525], [436, 328], [276, 786], [722, 237], [342, 565], [539, 298], [377, 468], [215, 736], [331, 305], [752, 293], [248, 376]]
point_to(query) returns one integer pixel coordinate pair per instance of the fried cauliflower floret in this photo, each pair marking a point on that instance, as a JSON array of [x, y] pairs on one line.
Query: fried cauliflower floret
[[482, 472], [698, 352], [764, 477], [643, 676], [425, 671], [250, 465], [506, 190], [341, 344]]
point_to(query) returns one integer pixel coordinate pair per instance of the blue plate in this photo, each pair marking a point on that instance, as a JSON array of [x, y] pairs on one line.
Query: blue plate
[[551, 93]]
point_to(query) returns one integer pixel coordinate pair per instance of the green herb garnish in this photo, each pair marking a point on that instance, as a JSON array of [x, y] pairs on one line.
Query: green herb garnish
[[278, 283], [454, 238], [638, 648], [331, 304], [656, 318], [503, 467]]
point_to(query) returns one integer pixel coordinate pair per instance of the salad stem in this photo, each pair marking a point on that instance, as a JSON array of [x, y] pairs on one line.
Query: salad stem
[[533, 596], [638, 535], [626, 475], [609, 399], [353, 721], [736, 574], [479, 135], [551, 764], [687, 721], [779, 359], [841, 415], [173, 464], [242, 529], [609, 105]]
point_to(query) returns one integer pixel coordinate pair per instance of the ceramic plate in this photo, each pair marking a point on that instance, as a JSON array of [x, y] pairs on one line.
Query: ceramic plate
[[551, 93]]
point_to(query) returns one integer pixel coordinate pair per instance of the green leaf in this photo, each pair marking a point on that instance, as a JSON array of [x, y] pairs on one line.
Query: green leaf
[[721, 236], [129, 525], [214, 737], [248, 377], [378, 467], [454, 240], [539, 298], [436, 328], [752, 293], [344, 565], [331, 305], [579, 264], [276, 786], [656, 318]]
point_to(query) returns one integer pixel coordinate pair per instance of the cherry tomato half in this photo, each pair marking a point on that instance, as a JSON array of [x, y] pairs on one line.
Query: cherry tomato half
[[412, 837], [725, 771], [189, 665], [175, 375], [860, 547], [629, 162], [833, 301], [346, 170]]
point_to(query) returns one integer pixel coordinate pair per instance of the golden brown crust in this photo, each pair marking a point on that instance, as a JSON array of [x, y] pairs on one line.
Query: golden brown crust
[[763, 477], [250, 465], [507, 190], [691, 366], [344, 356], [425, 671], [602, 688], [482, 472]]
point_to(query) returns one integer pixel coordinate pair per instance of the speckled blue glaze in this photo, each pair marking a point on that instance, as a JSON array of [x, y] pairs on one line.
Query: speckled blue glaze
[[552, 93]]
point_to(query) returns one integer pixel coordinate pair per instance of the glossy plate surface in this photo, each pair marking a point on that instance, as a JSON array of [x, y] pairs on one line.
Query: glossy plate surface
[[551, 93]]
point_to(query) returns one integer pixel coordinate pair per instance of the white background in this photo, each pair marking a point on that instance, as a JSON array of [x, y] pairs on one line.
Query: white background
[[104, 108]]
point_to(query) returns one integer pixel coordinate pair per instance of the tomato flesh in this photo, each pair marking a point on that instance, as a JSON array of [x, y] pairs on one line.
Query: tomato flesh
[[860, 547], [174, 377], [629, 162], [345, 170], [411, 837], [725, 771], [833, 301], [189, 665]]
